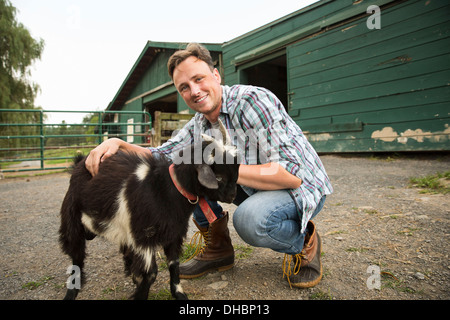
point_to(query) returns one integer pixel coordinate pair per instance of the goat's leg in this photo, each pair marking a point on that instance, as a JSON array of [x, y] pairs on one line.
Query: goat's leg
[[143, 278], [127, 259], [172, 253], [72, 239], [75, 280], [78, 254]]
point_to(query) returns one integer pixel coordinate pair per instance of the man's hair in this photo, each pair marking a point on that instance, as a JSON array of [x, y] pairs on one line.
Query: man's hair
[[192, 50]]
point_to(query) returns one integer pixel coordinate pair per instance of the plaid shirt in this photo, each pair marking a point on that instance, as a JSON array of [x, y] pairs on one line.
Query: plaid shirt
[[263, 132]]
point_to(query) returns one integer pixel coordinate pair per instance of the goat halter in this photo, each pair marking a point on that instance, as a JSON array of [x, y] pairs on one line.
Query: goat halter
[[207, 211]]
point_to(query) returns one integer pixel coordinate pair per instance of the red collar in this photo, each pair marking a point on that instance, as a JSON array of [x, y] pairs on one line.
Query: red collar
[[207, 211], [191, 198]]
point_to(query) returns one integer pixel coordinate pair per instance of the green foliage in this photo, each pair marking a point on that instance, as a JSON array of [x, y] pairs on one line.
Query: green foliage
[[18, 51], [437, 183]]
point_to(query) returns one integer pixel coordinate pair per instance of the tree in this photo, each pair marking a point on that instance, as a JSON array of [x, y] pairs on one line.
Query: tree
[[91, 119], [18, 51]]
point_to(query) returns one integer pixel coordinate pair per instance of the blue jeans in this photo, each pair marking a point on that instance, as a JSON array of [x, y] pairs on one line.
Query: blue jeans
[[267, 219]]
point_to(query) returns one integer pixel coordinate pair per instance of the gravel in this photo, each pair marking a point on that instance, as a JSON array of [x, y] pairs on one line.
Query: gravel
[[374, 218]]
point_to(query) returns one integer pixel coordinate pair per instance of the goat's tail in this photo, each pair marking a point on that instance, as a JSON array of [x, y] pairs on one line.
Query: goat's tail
[[75, 161], [78, 158]]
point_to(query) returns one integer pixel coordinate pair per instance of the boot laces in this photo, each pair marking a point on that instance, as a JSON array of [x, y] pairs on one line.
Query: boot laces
[[199, 241], [290, 261]]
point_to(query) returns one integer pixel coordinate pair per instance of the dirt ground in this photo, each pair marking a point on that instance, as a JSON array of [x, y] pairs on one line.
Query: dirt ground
[[375, 220]]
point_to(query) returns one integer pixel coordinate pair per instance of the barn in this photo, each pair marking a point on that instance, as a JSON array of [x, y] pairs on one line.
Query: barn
[[357, 76]]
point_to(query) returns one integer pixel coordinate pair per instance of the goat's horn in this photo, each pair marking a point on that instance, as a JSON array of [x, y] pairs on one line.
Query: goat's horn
[[225, 136]]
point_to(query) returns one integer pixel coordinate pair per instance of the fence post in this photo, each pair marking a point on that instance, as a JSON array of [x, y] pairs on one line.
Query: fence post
[[42, 139], [100, 129], [157, 128]]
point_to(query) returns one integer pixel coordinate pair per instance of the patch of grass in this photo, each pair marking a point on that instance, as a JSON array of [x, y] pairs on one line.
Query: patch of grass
[[32, 285], [115, 291], [432, 184], [163, 294], [320, 295], [109, 290], [242, 251], [370, 211], [337, 204], [388, 157], [188, 251], [391, 281], [408, 231]]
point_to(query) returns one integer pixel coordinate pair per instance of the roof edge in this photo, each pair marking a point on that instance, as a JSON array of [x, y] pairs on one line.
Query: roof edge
[[217, 47], [279, 20]]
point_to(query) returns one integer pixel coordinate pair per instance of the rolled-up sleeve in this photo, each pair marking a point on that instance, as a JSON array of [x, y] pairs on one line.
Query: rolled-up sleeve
[[282, 150], [266, 127], [262, 123]]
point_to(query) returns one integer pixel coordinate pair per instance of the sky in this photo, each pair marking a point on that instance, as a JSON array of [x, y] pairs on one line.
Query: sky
[[91, 45]]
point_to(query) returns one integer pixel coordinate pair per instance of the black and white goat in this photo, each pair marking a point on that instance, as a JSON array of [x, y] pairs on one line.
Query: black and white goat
[[133, 201]]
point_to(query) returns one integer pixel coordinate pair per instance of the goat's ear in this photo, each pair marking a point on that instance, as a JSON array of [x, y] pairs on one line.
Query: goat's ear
[[206, 176]]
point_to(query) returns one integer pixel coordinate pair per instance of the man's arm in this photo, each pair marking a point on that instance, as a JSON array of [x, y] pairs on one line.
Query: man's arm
[[269, 176], [107, 149]]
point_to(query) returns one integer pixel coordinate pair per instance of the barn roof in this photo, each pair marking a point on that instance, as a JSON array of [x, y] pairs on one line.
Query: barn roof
[[144, 60]]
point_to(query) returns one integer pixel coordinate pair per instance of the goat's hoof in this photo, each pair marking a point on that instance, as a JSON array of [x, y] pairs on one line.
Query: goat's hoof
[[71, 294], [181, 296], [139, 297]]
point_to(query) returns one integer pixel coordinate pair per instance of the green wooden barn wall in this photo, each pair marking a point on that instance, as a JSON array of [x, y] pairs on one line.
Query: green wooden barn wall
[[155, 75], [352, 89], [389, 87]]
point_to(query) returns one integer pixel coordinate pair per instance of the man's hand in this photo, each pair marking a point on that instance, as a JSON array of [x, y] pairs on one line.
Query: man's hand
[[101, 153], [108, 148]]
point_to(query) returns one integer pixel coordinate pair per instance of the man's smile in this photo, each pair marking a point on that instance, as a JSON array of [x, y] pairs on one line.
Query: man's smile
[[201, 98]]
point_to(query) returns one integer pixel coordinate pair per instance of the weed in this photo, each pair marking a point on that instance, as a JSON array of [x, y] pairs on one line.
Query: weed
[[242, 251], [408, 231], [432, 184], [163, 294], [388, 157], [391, 281], [337, 204], [320, 295], [188, 251], [36, 284]]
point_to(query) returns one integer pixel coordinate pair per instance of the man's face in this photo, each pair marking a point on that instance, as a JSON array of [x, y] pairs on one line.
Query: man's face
[[199, 86]]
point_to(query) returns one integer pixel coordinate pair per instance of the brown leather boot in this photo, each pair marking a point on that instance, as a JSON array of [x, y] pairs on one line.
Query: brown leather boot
[[307, 266], [216, 254]]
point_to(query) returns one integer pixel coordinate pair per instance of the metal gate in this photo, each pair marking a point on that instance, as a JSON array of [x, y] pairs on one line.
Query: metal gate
[[42, 146]]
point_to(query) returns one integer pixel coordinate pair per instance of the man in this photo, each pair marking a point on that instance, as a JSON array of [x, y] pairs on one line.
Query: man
[[283, 183]]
